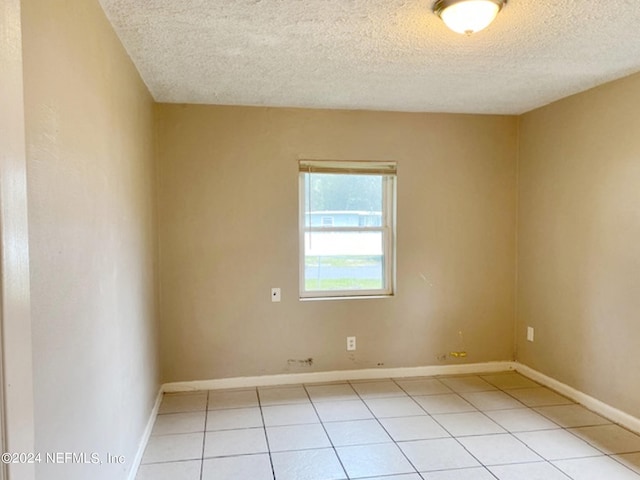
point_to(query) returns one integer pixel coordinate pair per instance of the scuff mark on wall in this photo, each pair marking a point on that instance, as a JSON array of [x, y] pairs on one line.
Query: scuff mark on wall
[[307, 362]]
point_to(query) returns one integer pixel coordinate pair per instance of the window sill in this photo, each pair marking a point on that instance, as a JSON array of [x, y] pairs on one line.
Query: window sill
[[346, 297]]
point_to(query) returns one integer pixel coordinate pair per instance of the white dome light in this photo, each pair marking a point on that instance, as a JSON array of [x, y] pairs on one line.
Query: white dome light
[[468, 16]]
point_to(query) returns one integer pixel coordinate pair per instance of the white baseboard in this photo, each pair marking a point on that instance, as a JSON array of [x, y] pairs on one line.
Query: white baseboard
[[593, 404], [135, 465], [338, 375], [615, 415]]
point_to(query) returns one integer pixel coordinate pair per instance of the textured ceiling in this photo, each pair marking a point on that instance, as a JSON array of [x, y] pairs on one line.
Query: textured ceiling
[[375, 54]]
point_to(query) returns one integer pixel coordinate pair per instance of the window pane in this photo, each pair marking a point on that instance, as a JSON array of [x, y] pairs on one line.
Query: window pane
[[344, 261], [333, 200]]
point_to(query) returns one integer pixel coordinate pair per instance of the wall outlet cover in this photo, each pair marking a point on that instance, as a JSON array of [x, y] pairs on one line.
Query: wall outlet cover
[[351, 344]]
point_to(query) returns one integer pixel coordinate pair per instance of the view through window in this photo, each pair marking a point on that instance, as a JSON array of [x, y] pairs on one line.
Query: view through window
[[346, 228]]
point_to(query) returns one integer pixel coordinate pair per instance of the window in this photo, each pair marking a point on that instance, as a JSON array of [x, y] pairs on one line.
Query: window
[[352, 255]]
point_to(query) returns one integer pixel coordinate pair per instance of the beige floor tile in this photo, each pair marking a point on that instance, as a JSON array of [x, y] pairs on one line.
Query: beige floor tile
[[322, 464], [610, 439], [343, 411], [394, 407], [516, 428], [332, 393], [408, 476], [557, 444], [466, 384], [478, 473], [448, 403], [596, 468], [234, 418], [283, 395], [224, 443], [183, 402], [372, 460], [174, 448], [572, 416], [289, 415], [521, 420], [297, 437], [630, 460], [499, 449], [427, 386], [378, 389], [508, 381], [189, 470], [471, 423], [404, 429], [357, 432], [172, 423], [221, 399], [438, 454], [485, 401], [254, 467], [528, 471], [539, 397]]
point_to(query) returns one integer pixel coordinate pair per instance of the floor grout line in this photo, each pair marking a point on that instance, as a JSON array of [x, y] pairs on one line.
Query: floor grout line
[[335, 451], [266, 437], [386, 431], [446, 430], [204, 435]]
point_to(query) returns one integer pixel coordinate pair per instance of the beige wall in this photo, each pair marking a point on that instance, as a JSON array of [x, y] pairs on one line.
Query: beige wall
[[579, 242], [89, 129], [228, 228], [16, 382]]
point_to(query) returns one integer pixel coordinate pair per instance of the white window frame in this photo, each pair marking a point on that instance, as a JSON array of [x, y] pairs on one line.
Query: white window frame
[[387, 228]]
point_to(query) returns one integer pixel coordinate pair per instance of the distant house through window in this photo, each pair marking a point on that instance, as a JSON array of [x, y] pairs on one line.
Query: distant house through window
[[347, 228], [327, 221]]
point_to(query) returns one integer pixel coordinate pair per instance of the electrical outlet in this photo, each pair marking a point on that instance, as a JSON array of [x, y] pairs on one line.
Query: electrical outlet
[[275, 294], [351, 343], [530, 334]]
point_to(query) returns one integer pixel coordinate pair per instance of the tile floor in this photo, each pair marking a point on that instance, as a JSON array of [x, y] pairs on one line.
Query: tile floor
[[500, 426]]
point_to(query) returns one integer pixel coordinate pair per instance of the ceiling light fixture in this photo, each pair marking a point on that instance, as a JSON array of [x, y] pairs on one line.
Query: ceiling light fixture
[[468, 16]]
